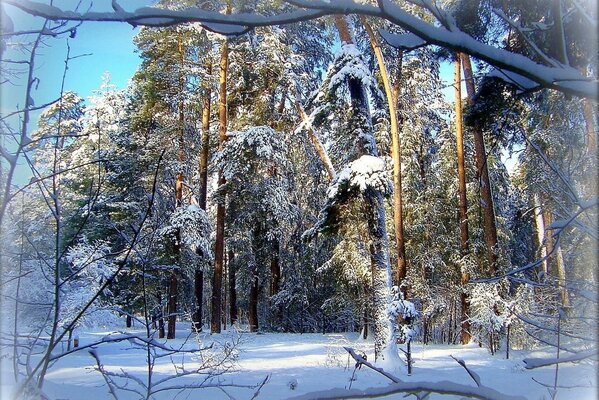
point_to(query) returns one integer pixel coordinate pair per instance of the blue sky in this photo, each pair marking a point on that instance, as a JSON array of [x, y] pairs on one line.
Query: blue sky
[[103, 47], [109, 46]]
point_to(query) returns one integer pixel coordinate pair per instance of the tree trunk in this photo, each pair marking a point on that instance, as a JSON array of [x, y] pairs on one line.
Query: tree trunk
[[232, 289], [253, 311], [463, 213], [343, 29], [205, 141], [172, 306], [365, 323], [561, 277], [548, 242], [540, 225], [385, 326], [161, 331], [275, 270], [173, 284], [198, 290], [489, 224], [558, 47], [215, 326], [197, 316], [396, 157], [318, 147]]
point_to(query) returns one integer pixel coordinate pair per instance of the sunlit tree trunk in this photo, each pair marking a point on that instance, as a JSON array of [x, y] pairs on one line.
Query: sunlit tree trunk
[[486, 196], [396, 157], [385, 325], [463, 208], [215, 326], [316, 143], [540, 225]]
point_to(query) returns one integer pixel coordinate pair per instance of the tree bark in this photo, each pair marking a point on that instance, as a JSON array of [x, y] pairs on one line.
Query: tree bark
[[197, 316], [540, 225], [489, 224], [215, 326], [205, 140], [173, 281], [463, 209], [232, 289], [548, 242], [253, 311], [396, 157], [385, 326], [161, 332], [561, 277], [275, 270], [318, 147], [343, 29]]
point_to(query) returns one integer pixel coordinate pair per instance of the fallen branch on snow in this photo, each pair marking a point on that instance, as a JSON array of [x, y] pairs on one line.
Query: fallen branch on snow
[[415, 388], [532, 363]]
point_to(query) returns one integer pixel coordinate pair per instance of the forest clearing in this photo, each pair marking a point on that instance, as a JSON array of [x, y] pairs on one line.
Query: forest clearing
[[299, 199]]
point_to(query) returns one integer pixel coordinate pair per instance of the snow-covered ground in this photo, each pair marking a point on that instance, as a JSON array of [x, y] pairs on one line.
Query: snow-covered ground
[[301, 363]]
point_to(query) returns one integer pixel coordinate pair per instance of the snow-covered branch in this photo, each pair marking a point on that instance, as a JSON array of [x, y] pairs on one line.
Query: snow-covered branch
[[562, 78], [532, 363], [416, 388]]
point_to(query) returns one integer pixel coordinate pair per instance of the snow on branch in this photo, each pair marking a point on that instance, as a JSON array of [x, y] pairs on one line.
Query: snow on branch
[[364, 174], [367, 172], [159, 17], [532, 363], [563, 78]]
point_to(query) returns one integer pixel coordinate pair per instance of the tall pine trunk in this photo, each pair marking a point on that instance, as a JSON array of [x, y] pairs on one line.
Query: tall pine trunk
[[215, 325], [480, 155], [173, 281], [396, 157], [199, 274], [463, 209]]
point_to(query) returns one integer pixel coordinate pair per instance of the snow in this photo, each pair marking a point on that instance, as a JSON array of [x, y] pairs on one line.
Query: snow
[[300, 364], [364, 173], [407, 41]]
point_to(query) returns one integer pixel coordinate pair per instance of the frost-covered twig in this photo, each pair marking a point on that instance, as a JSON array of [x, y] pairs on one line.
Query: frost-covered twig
[[523, 35], [104, 374], [362, 361], [257, 392], [475, 377]]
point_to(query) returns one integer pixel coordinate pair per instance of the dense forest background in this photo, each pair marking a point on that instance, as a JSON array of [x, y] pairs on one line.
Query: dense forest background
[[276, 180]]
